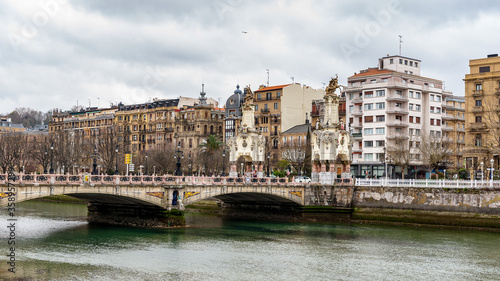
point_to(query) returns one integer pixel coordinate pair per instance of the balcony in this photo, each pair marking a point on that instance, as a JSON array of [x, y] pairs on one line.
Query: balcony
[[356, 126], [398, 137], [358, 149], [478, 126], [396, 98], [357, 99], [264, 111], [477, 93], [477, 109], [357, 113], [396, 111], [497, 91], [357, 135], [461, 141], [396, 123], [446, 128], [447, 116]]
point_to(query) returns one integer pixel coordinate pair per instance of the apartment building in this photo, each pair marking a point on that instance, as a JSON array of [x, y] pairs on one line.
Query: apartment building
[[454, 117], [482, 111], [279, 108], [391, 106]]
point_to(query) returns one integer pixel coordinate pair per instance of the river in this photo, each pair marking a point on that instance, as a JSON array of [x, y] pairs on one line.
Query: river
[[53, 242]]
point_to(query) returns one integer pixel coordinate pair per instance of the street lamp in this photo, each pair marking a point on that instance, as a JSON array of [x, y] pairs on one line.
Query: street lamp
[[190, 169], [268, 156], [491, 174], [178, 154], [223, 162], [482, 172], [45, 163], [242, 169], [94, 165], [116, 160], [51, 171], [146, 163]]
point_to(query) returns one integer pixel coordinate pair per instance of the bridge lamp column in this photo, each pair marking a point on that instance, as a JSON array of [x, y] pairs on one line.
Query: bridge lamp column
[[94, 165], [268, 156], [190, 164], [178, 155], [223, 162], [491, 172], [116, 160], [482, 172], [242, 169], [146, 163], [51, 171], [45, 163]]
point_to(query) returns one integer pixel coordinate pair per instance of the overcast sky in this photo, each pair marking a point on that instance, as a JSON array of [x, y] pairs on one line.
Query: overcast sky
[[57, 53]]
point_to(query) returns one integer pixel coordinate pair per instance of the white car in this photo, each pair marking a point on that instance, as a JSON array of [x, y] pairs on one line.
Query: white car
[[302, 179]]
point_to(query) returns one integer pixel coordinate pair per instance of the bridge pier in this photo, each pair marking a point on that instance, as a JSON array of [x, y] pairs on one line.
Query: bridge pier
[[137, 216]]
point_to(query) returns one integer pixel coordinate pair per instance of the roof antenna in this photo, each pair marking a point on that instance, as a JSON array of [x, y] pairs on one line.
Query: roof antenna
[[267, 77], [400, 41]]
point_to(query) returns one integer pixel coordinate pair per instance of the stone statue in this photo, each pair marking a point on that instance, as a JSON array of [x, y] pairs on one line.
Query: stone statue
[[333, 86]]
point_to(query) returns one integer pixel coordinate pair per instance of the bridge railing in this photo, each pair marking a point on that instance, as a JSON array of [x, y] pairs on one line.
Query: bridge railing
[[474, 184]]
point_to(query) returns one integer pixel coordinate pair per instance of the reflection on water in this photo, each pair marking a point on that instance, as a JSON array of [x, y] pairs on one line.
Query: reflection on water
[[53, 246]]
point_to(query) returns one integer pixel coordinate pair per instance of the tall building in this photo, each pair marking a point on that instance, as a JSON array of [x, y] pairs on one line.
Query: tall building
[[482, 109], [279, 108], [455, 129], [388, 106]]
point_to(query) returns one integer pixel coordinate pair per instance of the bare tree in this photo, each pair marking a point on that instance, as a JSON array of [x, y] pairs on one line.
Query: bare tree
[[399, 152], [435, 151], [21, 149], [491, 120], [106, 147], [295, 153]]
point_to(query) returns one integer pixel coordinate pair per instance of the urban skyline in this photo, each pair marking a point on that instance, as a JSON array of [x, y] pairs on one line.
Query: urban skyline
[[95, 53]]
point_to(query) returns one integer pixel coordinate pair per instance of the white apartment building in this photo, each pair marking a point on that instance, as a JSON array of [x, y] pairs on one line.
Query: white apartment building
[[388, 104]]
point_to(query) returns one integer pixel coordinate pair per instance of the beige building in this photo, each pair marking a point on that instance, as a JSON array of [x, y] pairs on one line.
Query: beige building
[[279, 108], [482, 109], [455, 130]]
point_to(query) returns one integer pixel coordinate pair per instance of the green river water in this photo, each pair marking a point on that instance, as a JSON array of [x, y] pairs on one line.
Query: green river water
[[53, 242]]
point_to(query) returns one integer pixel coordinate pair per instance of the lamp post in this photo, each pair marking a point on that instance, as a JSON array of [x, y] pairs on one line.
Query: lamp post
[[146, 163], [116, 160], [491, 173], [268, 156], [94, 165], [223, 162], [482, 172], [178, 154], [242, 169], [51, 171], [45, 163], [190, 165]]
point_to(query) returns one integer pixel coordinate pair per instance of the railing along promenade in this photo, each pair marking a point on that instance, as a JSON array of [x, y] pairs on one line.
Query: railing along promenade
[[442, 183]]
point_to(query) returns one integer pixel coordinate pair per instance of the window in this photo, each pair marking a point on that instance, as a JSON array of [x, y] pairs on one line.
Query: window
[[278, 94], [432, 122], [368, 143], [265, 106], [479, 119], [373, 81], [479, 102], [368, 119], [418, 95], [410, 119], [380, 118], [406, 62], [368, 157], [410, 132], [369, 94], [479, 87], [380, 143], [259, 96], [368, 131], [410, 106], [410, 93], [411, 63], [438, 134], [268, 96], [368, 106], [432, 109], [438, 98], [438, 122], [380, 93], [256, 107], [417, 132], [417, 107], [431, 98], [380, 105], [391, 61], [416, 64], [275, 105], [380, 131], [438, 109], [478, 141], [400, 61]]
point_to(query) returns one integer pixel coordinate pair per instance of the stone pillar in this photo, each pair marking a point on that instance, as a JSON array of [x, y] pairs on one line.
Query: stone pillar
[[323, 167]]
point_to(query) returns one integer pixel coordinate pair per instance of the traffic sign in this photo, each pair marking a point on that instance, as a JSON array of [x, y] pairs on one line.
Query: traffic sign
[[128, 159], [131, 167]]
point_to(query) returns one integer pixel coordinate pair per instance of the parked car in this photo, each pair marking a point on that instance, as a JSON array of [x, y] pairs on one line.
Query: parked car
[[302, 179]]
